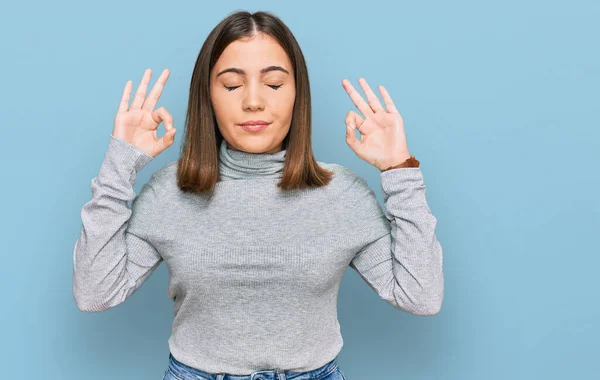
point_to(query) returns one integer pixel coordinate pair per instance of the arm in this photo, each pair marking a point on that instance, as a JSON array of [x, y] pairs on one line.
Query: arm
[[402, 258], [112, 256]]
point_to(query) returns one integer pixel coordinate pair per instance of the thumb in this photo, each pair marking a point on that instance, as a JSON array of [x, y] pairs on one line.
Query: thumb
[[167, 139], [351, 139]]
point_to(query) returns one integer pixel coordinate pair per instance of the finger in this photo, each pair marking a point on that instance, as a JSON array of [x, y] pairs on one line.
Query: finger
[[124, 104], [351, 139], [140, 94], [353, 117], [355, 121], [167, 139], [371, 97], [162, 115], [357, 99], [154, 95], [387, 99]]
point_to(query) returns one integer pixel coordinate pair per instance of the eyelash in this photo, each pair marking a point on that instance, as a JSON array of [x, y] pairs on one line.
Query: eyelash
[[274, 87]]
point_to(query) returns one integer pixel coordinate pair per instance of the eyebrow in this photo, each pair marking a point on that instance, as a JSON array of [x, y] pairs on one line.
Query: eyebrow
[[262, 71]]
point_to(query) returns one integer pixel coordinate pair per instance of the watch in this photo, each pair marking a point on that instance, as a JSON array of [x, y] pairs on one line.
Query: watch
[[411, 162]]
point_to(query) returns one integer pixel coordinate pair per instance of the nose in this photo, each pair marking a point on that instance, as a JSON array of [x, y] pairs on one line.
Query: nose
[[252, 97]]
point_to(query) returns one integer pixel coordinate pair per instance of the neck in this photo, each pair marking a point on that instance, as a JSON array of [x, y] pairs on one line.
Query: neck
[[236, 164], [274, 150]]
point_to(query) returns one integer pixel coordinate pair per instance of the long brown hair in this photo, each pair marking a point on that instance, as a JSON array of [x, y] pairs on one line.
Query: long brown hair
[[198, 166]]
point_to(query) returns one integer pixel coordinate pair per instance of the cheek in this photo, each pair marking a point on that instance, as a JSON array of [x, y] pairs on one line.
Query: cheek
[[222, 105], [284, 104]]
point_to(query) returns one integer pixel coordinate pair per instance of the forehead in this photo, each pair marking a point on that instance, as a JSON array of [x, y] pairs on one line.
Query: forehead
[[253, 54]]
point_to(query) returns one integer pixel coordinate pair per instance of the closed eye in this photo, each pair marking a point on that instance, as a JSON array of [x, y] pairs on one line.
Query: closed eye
[[274, 87]]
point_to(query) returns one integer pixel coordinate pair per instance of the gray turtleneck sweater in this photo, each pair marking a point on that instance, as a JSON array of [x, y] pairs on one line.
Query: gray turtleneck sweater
[[254, 273]]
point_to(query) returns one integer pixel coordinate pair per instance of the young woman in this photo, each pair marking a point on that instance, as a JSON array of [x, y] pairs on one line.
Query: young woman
[[256, 234]]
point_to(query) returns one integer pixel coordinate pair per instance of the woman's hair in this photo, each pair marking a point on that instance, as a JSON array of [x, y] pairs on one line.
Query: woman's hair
[[198, 166]]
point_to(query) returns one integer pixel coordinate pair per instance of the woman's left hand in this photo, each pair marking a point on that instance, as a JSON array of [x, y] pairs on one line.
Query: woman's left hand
[[383, 140]]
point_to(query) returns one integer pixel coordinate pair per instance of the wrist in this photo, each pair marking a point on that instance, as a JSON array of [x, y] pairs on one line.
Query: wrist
[[410, 162]]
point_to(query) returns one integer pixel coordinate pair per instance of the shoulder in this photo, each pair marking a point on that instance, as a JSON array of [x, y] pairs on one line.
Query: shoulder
[[344, 176], [355, 195], [347, 184], [164, 176], [167, 170], [344, 181]]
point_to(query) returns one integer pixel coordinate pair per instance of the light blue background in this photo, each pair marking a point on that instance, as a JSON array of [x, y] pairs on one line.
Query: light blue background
[[500, 102]]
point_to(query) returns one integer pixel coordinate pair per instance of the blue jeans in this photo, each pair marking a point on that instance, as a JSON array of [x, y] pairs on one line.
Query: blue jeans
[[179, 371]]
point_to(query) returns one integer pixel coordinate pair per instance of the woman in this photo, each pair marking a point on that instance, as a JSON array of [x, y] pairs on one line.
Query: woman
[[255, 233]]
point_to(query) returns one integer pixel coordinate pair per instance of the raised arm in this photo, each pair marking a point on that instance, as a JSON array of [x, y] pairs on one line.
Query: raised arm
[[113, 256], [401, 259]]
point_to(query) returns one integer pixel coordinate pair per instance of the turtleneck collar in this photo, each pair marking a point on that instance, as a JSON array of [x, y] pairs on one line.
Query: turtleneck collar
[[235, 164]]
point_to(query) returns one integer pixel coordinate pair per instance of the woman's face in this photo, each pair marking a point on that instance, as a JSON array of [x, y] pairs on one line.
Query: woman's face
[[253, 95]]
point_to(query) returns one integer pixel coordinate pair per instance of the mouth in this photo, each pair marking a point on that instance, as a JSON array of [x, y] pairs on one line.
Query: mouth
[[254, 125]]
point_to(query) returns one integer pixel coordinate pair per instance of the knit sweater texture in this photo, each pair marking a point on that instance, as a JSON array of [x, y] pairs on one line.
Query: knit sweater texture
[[254, 272]]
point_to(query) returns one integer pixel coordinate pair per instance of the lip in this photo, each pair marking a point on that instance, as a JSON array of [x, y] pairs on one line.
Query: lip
[[255, 122], [254, 125]]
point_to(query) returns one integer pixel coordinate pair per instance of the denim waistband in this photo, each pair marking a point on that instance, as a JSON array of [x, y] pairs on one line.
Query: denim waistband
[[186, 372]]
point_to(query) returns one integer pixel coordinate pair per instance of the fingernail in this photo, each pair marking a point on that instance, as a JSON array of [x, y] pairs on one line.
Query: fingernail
[[352, 126]]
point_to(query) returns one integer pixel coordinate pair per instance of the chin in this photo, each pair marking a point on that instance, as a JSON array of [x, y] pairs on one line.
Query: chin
[[254, 144]]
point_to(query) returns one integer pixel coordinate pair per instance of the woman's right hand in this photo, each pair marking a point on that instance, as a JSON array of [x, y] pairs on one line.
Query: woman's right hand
[[137, 124]]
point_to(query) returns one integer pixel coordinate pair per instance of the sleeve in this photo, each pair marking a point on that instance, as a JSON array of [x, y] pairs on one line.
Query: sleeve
[[113, 255], [401, 258]]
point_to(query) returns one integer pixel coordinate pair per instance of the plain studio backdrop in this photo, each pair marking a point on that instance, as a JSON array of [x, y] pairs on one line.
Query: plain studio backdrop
[[500, 103]]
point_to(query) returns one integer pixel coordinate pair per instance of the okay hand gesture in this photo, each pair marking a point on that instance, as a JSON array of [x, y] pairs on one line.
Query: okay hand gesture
[[137, 124], [383, 140]]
